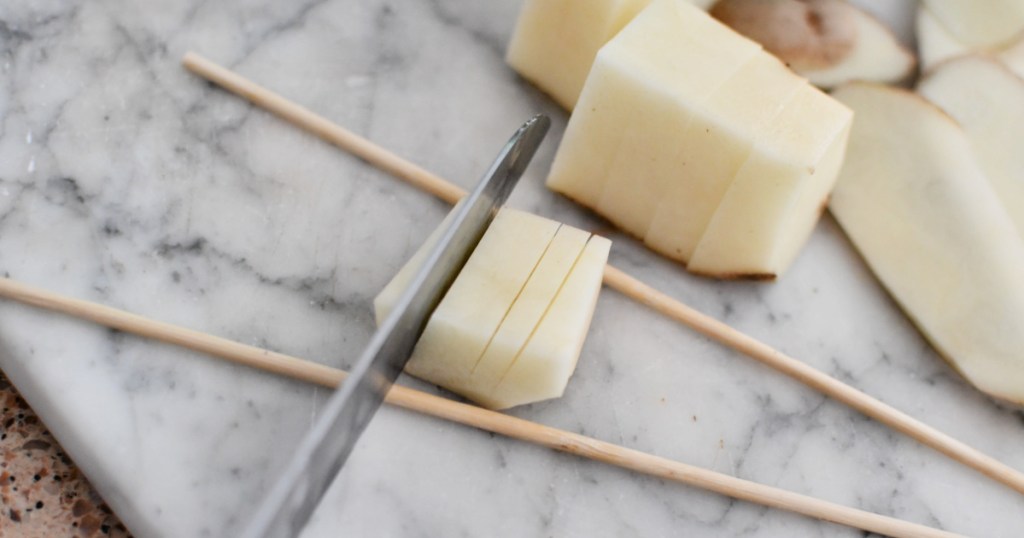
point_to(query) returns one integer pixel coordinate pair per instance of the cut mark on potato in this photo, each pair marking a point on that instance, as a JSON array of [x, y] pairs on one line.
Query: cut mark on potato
[[515, 301], [475, 303], [528, 290], [615, 156], [544, 315], [718, 146], [546, 362]]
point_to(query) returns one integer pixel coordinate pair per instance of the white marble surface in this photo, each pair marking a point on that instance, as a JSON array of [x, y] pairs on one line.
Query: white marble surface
[[127, 181]]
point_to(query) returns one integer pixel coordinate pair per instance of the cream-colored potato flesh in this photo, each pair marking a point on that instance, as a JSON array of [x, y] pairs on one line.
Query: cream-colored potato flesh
[[980, 24], [506, 305], [671, 114], [622, 143], [987, 100], [716, 146], [475, 305], [581, 173], [920, 210], [660, 50], [555, 41], [779, 193], [525, 315], [542, 368], [936, 44]]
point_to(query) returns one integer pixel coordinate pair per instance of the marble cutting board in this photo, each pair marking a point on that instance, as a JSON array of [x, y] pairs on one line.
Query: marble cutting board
[[126, 181]]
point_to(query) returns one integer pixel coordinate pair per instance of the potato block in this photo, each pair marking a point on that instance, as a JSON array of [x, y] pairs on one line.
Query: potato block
[[496, 306], [918, 207], [718, 141], [555, 41], [646, 85], [475, 305], [525, 315], [778, 195], [543, 367]]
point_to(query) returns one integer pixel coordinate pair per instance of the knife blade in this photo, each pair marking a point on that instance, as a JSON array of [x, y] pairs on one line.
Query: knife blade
[[322, 452]]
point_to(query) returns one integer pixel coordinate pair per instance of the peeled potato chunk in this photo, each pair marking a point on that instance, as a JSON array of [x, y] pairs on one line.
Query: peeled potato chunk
[[920, 210], [987, 100], [624, 146], [510, 329], [778, 195], [717, 152], [676, 107], [544, 364], [555, 41]]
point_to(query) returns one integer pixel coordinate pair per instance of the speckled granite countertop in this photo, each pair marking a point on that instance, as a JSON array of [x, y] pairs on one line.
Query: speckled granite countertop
[[41, 491]]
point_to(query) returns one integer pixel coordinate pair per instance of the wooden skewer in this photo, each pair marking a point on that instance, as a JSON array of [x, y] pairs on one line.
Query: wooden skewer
[[617, 279], [470, 415]]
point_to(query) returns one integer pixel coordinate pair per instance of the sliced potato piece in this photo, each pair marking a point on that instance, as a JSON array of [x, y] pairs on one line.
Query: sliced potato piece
[[980, 24], [936, 45], [920, 210], [625, 134], [704, 115], [828, 41], [555, 41], [934, 42], [779, 194], [526, 314], [987, 100], [671, 113], [543, 367], [500, 305], [717, 143], [477, 302]]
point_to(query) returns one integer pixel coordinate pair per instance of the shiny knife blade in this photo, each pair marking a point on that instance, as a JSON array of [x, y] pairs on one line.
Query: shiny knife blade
[[320, 455]]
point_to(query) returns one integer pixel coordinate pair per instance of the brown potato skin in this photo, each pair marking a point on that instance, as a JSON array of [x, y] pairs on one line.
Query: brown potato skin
[[805, 34]]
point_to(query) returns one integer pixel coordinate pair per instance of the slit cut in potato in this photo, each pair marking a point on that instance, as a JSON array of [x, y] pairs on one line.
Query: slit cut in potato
[[510, 329]]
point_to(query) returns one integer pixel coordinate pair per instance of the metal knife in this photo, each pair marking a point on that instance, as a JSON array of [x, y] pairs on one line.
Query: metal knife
[[318, 458]]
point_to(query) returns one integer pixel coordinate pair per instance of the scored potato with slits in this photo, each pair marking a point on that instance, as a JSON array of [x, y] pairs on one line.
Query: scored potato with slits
[[510, 329]]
